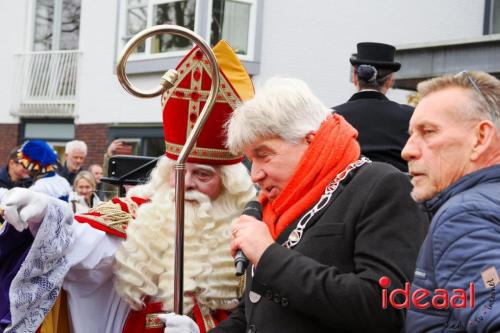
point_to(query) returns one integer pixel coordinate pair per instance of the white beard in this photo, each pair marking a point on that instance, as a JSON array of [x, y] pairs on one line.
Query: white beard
[[145, 261]]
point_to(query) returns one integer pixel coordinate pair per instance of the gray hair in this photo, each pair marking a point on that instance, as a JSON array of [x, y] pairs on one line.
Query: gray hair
[[75, 145], [283, 107], [484, 92]]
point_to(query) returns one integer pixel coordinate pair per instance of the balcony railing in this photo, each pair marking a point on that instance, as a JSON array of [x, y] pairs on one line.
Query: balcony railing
[[46, 84]]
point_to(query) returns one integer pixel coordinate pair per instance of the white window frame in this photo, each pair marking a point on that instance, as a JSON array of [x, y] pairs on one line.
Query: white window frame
[[203, 30], [56, 26], [124, 37], [146, 55], [251, 27]]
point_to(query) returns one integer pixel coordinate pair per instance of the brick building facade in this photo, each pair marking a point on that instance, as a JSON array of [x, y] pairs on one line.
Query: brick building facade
[[96, 138], [9, 139], [94, 135]]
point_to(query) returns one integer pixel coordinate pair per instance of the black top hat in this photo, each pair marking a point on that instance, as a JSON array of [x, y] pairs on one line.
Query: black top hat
[[376, 54]]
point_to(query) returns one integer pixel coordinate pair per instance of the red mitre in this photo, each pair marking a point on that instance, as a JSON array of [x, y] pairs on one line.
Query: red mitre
[[183, 103]]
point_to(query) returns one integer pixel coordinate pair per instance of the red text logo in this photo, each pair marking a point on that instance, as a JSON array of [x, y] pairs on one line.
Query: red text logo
[[440, 298]]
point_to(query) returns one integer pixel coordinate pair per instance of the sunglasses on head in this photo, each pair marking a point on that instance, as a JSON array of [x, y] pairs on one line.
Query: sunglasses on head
[[474, 84]]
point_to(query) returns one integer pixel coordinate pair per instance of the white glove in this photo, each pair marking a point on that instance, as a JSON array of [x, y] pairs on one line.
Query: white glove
[[3, 190], [175, 323], [23, 208]]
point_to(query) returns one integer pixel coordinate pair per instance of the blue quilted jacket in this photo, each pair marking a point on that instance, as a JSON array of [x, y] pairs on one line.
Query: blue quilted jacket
[[462, 246]]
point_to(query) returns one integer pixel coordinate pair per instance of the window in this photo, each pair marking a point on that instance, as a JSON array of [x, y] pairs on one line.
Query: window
[[57, 25], [232, 20], [154, 146], [49, 130], [495, 19], [143, 13], [492, 17], [55, 132], [136, 20], [178, 13]]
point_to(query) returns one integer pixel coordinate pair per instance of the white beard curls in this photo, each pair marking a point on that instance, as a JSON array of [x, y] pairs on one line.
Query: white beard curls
[[145, 261]]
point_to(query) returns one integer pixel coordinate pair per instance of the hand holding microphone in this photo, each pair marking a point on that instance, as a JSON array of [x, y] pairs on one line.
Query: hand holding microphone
[[251, 237]]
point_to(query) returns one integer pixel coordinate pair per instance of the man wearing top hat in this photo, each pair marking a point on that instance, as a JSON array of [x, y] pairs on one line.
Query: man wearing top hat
[[382, 124], [116, 263]]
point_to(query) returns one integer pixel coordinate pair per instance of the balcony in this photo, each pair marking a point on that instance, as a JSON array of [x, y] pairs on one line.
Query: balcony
[[47, 84]]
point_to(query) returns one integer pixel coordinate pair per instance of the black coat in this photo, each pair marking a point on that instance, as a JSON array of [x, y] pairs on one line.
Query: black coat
[[64, 172], [329, 281], [382, 125]]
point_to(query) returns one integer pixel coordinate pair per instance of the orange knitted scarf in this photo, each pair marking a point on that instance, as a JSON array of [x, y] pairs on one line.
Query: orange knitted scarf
[[333, 148]]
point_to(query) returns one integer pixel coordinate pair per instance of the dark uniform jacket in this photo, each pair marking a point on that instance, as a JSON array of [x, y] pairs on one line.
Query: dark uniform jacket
[[382, 125], [329, 281]]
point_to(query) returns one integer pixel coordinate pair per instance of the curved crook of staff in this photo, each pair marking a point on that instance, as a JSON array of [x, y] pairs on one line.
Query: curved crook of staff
[[167, 82]]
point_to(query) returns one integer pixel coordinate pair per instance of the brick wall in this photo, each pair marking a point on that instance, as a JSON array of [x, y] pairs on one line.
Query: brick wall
[[94, 135], [9, 136], [96, 138]]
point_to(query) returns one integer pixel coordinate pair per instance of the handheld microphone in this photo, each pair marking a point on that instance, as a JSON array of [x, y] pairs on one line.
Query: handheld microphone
[[254, 209]]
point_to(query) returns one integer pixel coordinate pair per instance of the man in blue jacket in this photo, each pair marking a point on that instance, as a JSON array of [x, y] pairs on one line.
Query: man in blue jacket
[[453, 156]]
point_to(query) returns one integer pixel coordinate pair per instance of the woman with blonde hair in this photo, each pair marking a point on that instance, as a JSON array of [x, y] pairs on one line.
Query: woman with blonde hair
[[83, 198]]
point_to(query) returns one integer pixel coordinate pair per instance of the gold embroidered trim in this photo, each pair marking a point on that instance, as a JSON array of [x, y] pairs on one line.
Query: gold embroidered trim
[[225, 92], [184, 93], [206, 153], [152, 321], [206, 314], [194, 103], [241, 285]]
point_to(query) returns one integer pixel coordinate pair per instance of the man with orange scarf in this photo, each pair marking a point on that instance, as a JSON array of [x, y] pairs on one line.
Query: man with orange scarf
[[333, 221]]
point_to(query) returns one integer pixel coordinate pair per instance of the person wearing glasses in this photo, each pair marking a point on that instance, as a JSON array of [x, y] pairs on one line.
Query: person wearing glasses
[[14, 174], [453, 156], [382, 124]]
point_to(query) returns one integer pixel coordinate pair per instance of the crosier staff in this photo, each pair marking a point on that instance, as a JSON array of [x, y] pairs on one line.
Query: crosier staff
[[167, 81]]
